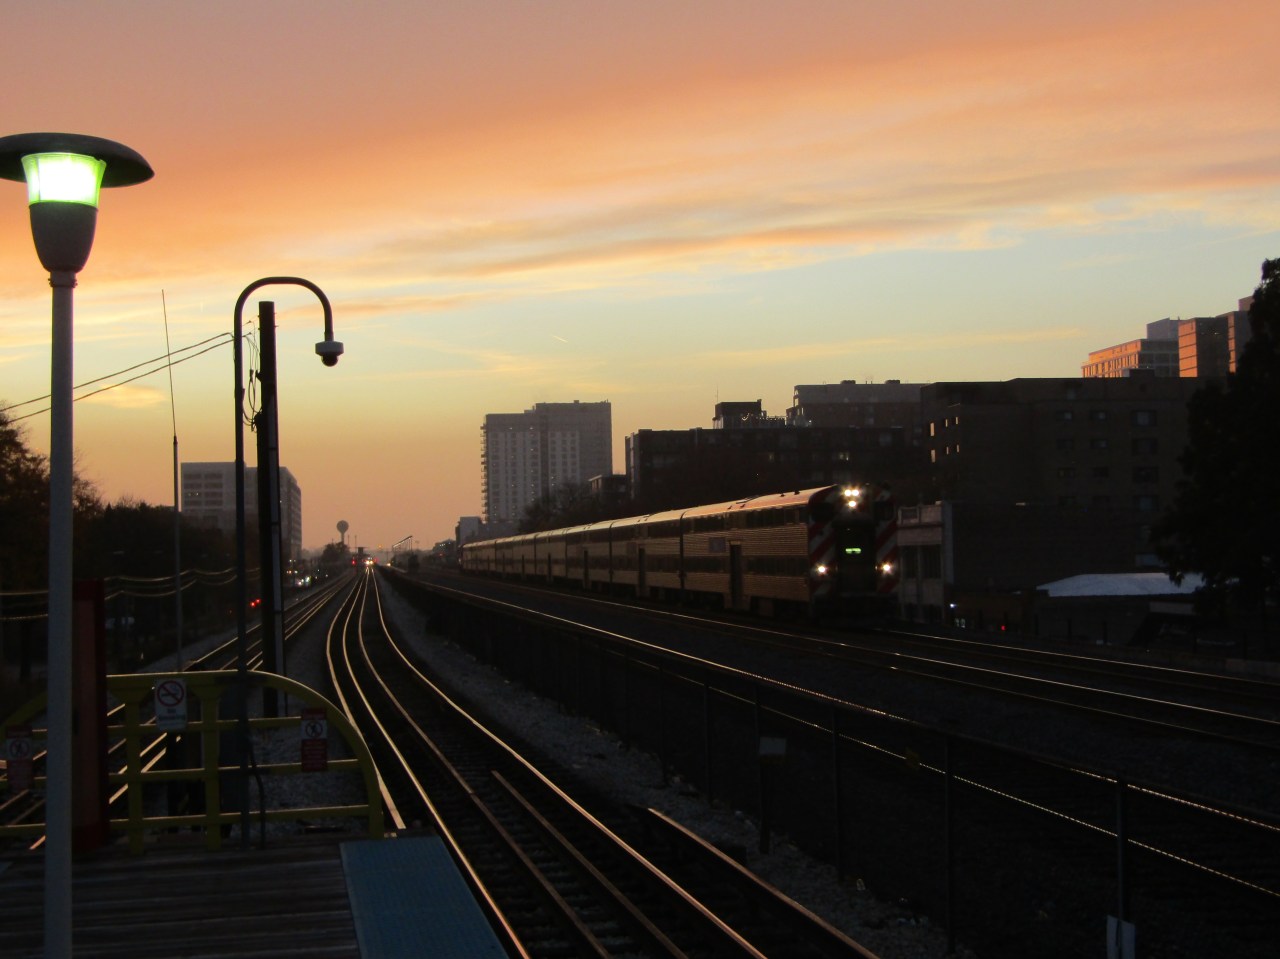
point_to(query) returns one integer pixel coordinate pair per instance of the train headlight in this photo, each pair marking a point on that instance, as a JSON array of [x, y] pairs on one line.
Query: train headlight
[[820, 570], [852, 493], [886, 569]]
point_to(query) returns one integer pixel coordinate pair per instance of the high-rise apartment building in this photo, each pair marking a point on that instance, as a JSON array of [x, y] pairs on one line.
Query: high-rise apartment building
[[532, 454], [209, 498]]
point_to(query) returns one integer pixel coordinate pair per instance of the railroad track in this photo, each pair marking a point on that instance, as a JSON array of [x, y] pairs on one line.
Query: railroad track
[[1193, 869], [557, 878], [1160, 700], [1125, 849]]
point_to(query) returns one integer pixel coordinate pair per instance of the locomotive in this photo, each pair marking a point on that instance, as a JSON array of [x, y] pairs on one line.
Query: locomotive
[[832, 549]]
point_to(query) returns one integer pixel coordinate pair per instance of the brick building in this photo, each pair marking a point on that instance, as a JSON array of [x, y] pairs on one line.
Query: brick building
[[1037, 480]]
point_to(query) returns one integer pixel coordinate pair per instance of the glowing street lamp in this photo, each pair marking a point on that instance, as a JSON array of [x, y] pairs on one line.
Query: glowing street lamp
[[64, 173]]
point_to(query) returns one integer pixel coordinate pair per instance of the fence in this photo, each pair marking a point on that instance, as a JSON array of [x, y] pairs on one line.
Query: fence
[[151, 759]]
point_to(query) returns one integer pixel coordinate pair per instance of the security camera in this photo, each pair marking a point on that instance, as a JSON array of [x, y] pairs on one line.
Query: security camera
[[329, 351]]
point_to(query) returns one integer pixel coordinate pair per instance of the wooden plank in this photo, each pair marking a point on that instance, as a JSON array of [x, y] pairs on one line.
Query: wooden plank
[[287, 900]]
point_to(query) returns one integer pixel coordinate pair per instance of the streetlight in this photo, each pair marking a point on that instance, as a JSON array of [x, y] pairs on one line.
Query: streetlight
[[64, 173], [328, 350]]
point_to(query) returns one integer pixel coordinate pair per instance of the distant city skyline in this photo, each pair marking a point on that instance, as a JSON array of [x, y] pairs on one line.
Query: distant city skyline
[[662, 205]]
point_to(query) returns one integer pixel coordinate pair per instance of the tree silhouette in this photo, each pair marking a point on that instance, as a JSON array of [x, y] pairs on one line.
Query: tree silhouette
[[1225, 520], [24, 508], [571, 504]]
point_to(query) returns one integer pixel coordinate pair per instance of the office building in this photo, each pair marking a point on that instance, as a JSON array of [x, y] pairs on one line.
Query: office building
[[1197, 347], [209, 498], [1156, 353]]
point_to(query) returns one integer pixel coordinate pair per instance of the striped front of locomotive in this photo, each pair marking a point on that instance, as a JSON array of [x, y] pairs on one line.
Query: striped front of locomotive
[[823, 508], [887, 571], [853, 549]]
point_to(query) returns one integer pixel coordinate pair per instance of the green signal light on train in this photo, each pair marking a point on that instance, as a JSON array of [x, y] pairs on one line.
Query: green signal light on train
[[853, 551]]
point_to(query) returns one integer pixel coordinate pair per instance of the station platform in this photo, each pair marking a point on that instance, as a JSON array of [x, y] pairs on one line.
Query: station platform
[[316, 896]]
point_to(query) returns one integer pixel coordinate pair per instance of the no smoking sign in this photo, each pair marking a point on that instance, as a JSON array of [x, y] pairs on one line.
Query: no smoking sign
[[171, 705]]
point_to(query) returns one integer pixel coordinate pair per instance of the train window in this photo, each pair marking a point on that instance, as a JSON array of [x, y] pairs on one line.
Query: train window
[[777, 565], [762, 518]]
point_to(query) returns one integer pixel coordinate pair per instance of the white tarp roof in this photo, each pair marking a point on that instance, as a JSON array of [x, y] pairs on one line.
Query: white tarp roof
[[1122, 584]]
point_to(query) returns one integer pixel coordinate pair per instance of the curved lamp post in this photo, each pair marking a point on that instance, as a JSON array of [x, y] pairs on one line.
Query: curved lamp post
[[328, 350], [64, 173]]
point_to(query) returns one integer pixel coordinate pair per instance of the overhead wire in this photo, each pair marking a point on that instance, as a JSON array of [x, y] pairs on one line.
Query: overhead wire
[[202, 347], [138, 587], [198, 577]]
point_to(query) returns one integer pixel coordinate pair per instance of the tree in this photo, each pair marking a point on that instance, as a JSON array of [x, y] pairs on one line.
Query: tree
[[24, 541], [334, 555], [24, 511], [1225, 520], [571, 504], [24, 508]]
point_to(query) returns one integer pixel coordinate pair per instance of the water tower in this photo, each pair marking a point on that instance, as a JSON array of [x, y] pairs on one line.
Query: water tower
[[342, 530]]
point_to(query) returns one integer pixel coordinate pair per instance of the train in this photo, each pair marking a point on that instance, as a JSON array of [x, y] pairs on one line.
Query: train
[[828, 550]]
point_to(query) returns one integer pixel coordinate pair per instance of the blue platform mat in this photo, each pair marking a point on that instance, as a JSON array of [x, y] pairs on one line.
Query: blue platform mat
[[408, 900]]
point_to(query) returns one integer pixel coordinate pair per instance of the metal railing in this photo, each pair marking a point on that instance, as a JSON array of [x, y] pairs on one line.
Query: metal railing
[[215, 726]]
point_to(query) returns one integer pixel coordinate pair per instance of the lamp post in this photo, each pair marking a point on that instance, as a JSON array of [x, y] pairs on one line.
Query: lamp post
[[328, 350], [64, 173]]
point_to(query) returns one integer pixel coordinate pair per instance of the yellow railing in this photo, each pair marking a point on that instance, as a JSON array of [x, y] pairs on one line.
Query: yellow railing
[[142, 765]]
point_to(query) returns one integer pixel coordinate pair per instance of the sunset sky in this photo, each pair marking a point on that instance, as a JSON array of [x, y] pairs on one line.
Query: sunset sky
[[659, 204]]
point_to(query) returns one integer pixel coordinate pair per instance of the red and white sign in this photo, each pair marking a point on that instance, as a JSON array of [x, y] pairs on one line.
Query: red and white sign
[[315, 740], [171, 705], [19, 758]]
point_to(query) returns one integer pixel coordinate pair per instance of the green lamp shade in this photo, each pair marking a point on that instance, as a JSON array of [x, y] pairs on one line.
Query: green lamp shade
[[63, 177]]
